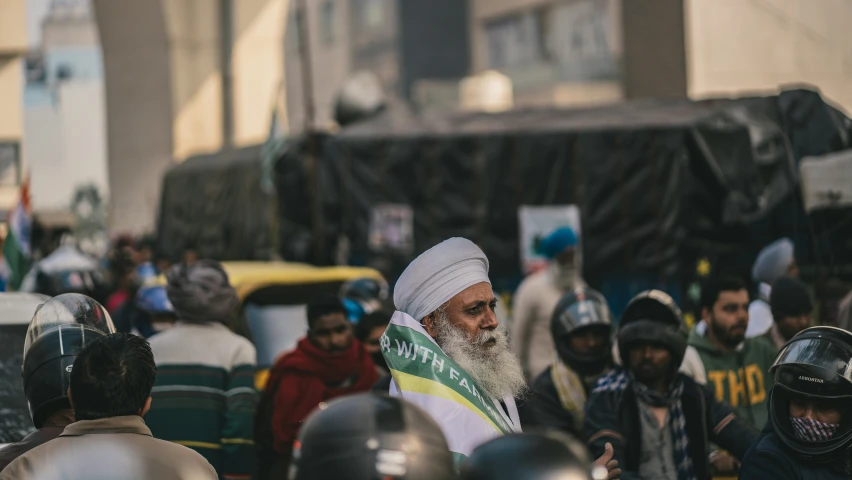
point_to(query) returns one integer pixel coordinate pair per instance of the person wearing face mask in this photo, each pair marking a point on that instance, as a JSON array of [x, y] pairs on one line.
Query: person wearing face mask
[[791, 310], [538, 295], [328, 363], [809, 436]]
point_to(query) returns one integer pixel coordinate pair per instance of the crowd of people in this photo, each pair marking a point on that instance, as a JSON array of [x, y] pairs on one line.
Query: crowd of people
[[438, 388]]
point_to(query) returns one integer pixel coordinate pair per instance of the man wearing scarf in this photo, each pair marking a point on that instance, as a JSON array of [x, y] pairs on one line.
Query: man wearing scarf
[[328, 363], [446, 351], [659, 421], [204, 395]]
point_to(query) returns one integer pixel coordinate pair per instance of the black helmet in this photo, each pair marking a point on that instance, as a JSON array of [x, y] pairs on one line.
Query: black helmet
[[59, 330], [653, 316], [367, 437], [530, 456], [816, 363], [581, 309]]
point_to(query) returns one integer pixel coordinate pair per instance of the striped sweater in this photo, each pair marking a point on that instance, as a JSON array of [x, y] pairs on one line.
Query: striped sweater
[[204, 397]]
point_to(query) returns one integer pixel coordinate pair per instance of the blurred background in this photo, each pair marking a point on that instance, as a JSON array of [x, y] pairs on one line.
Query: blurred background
[[679, 136]]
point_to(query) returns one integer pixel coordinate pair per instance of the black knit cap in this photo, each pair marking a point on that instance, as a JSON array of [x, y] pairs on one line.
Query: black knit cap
[[790, 298]]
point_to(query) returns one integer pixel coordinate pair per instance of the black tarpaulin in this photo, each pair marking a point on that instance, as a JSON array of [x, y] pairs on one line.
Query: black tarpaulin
[[215, 204]]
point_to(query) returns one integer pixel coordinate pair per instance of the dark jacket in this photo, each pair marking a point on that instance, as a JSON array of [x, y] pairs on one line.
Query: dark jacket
[[544, 408], [768, 458], [613, 416]]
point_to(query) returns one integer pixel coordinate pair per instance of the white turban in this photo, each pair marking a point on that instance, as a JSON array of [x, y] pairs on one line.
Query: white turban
[[438, 275], [773, 261]]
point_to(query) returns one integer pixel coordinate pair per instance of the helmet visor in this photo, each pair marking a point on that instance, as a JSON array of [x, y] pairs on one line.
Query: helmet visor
[[68, 311], [816, 352]]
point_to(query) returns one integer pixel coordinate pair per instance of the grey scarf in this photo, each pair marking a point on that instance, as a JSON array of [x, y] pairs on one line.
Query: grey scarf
[[201, 292]]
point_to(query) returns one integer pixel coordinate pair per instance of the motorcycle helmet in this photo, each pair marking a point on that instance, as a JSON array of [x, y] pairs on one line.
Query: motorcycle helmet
[[580, 310], [371, 437], [653, 316], [363, 295], [59, 330], [530, 456], [815, 364]]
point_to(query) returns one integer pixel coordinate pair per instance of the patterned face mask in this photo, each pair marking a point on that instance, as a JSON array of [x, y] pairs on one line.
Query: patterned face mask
[[810, 430]]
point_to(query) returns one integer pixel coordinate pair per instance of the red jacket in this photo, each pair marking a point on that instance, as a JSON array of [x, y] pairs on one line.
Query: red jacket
[[303, 378]]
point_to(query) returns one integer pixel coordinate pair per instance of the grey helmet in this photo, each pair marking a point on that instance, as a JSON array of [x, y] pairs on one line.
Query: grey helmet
[[371, 437]]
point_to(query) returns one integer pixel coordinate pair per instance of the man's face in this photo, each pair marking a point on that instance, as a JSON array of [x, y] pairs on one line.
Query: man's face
[[331, 333], [793, 270], [567, 257], [791, 325], [589, 342], [821, 411], [467, 331], [649, 362], [729, 318], [372, 342], [472, 311]]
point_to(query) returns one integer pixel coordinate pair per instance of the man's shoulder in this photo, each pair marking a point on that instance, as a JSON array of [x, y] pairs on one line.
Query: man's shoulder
[[767, 454]]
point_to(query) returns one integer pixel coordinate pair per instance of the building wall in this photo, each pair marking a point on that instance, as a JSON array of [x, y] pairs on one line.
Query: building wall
[[13, 45], [556, 52], [178, 106], [330, 59], [739, 46], [65, 118]]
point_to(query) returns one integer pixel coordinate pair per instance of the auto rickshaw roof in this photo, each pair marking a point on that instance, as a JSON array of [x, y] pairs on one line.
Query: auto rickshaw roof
[[247, 277]]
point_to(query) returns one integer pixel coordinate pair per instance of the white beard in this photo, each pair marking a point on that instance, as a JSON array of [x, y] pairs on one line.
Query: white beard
[[495, 368]]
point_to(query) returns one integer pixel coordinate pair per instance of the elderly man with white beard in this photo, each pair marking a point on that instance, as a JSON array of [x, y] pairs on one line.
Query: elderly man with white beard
[[446, 351]]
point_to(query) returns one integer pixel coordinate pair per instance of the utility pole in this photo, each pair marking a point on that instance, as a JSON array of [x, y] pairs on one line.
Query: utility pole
[[302, 24]]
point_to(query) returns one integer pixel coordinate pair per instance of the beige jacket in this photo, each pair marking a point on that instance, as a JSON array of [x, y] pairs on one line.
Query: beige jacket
[[109, 448], [532, 308]]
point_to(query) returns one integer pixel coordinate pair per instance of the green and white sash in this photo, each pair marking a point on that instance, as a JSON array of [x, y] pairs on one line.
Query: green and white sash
[[424, 375]]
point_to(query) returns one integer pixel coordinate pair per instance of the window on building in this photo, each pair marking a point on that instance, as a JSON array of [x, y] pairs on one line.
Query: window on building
[[329, 20], [518, 39], [371, 13]]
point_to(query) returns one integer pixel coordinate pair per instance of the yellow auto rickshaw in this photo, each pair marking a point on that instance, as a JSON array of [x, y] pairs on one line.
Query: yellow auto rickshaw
[[273, 297]]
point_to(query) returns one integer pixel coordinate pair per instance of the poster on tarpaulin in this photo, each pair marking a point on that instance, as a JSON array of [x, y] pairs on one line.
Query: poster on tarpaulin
[[392, 228], [536, 222]]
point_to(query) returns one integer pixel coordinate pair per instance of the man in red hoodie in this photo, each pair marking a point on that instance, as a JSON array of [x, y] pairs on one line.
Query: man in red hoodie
[[327, 364]]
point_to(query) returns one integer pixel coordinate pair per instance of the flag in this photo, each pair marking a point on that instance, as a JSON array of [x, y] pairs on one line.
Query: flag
[[424, 375], [16, 248]]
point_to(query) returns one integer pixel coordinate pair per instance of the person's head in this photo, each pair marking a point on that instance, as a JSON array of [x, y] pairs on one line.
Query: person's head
[[122, 268], [652, 337], [581, 326], [809, 405], [724, 306], [60, 329], [154, 302], [190, 253], [791, 306], [530, 456], [372, 436], [368, 292], [162, 262], [448, 291], [560, 247], [201, 292], [328, 328], [112, 377], [369, 331], [145, 249], [776, 260]]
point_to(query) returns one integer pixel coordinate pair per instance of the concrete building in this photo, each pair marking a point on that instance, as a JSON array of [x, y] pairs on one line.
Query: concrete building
[[13, 46], [184, 77], [419, 49], [64, 111], [570, 52]]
